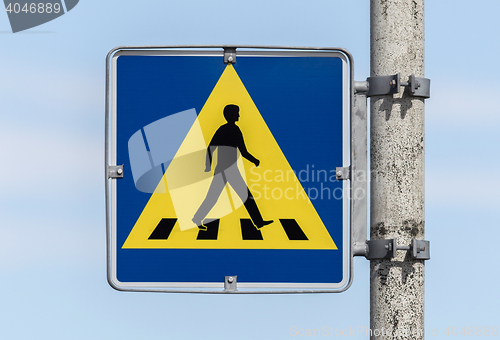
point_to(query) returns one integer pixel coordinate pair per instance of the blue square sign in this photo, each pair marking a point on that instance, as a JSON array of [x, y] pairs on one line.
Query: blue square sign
[[221, 163]]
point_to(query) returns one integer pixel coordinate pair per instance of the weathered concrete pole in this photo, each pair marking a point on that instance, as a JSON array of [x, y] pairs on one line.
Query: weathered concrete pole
[[397, 170]]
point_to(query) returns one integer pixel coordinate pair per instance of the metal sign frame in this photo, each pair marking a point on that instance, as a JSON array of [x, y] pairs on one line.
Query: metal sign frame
[[354, 162]]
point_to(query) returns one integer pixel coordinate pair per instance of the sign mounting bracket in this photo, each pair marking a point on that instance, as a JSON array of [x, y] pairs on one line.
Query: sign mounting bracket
[[229, 55], [115, 171], [384, 85], [230, 283], [386, 249]]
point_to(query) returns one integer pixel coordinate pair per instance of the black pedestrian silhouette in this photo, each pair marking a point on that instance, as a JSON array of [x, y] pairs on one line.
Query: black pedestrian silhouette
[[228, 139]]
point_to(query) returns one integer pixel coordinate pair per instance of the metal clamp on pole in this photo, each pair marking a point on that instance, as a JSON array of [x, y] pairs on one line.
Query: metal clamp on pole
[[420, 249], [383, 85], [386, 249], [115, 171]]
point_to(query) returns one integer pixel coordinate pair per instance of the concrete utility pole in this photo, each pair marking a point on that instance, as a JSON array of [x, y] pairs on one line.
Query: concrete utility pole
[[397, 170]]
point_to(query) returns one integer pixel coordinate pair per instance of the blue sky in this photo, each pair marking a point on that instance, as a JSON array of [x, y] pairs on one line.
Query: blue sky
[[52, 219]]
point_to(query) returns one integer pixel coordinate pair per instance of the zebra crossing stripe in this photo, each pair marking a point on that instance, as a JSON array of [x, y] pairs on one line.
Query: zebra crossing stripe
[[248, 230], [293, 230], [211, 232], [163, 230]]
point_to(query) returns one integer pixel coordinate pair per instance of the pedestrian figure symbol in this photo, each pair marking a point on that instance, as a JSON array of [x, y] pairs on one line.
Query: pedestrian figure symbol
[[228, 141]]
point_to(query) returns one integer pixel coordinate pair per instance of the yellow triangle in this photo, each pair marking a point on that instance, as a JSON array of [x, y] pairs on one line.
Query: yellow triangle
[[275, 187]]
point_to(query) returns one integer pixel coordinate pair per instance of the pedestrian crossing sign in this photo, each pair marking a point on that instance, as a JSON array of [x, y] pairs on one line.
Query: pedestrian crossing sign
[[228, 169]]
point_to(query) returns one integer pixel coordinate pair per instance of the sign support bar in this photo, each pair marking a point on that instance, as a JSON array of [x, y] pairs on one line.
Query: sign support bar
[[358, 174]]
